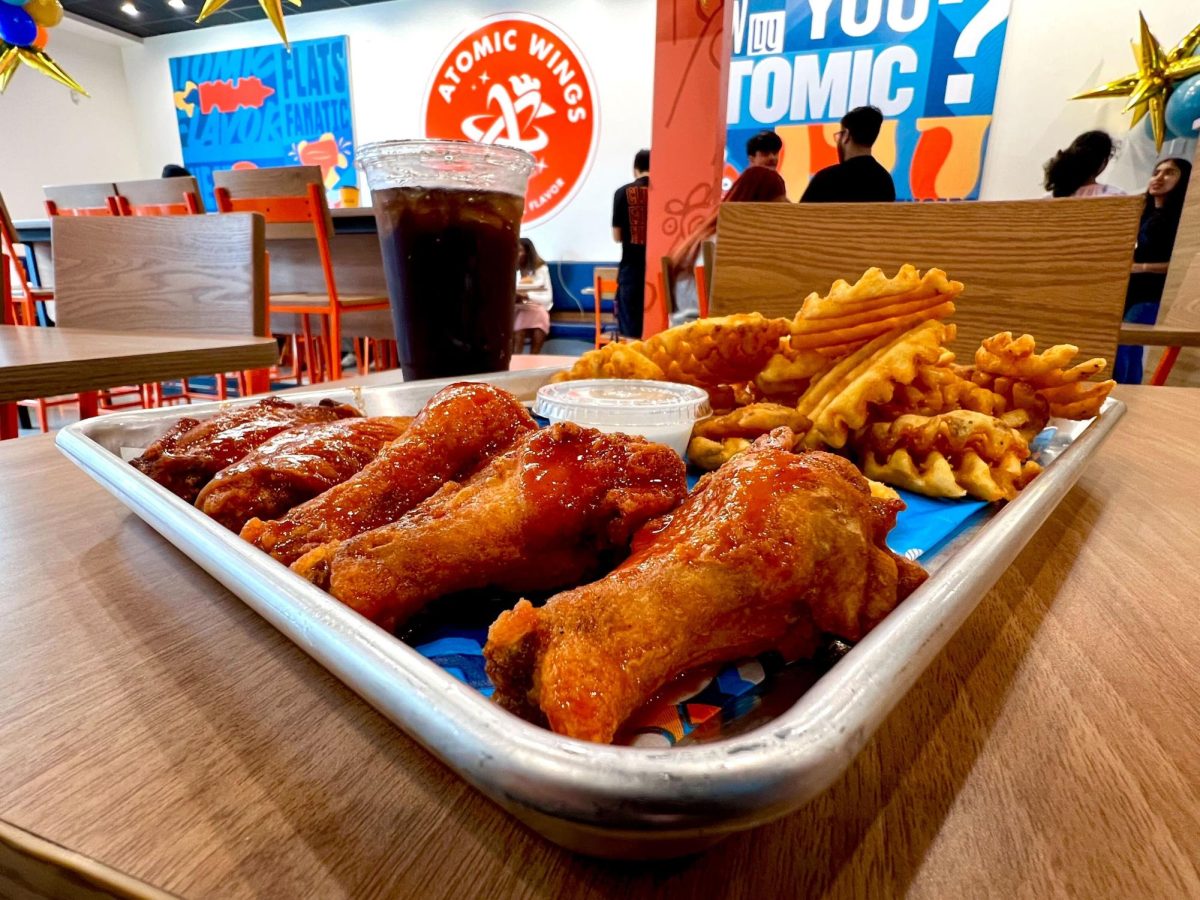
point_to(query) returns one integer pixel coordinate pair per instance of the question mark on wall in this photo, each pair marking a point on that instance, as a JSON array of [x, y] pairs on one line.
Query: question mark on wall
[[960, 86]]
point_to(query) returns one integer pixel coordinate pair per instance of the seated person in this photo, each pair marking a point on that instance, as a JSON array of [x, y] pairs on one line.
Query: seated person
[[534, 299], [1073, 172]]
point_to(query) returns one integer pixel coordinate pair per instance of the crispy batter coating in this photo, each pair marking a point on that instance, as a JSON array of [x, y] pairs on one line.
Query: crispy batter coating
[[765, 553], [1010, 366], [185, 458], [538, 517], [295, 466], [459, 430]]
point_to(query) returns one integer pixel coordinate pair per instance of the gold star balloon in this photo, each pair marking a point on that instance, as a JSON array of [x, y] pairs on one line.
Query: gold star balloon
[[1157, 74], [24, 31], [273, 9], [12, 58]]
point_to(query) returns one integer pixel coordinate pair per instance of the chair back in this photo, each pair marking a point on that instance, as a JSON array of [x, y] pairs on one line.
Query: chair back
[[20, 288], [604, 287], [159, 197], [290, 198], [99, 199], [161, 274], [1056, 269]]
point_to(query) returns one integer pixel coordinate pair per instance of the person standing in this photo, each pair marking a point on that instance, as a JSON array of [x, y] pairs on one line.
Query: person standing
[[857, 177], [763, 150], [630, 206]]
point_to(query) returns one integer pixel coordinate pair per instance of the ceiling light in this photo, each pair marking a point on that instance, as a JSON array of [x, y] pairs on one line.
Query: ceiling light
[[129, 9], [177, 4]]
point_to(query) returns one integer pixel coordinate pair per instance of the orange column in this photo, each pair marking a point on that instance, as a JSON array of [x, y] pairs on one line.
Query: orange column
[[691, 68]]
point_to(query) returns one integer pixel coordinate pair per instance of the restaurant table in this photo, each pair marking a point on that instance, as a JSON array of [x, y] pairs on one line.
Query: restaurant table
[[44, 362], [152, 725]]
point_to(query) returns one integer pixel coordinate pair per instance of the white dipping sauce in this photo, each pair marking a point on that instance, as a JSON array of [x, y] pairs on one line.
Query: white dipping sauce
[[659, 411]]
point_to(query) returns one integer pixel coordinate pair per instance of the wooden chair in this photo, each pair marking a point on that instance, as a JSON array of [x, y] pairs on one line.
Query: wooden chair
[[604, 287], [292, 200], [172, 274], [1178, 322], [159, 197], [99, 199], [25, 295], [1056, 269]]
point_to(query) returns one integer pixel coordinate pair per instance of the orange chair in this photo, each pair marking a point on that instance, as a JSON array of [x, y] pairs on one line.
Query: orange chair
[[159, 197], [292, 200], [25, 296], [604, 287], [99, 199]]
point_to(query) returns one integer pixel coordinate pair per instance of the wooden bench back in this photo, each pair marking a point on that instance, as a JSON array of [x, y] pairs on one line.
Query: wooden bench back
[[162, 273], [1181, 295], [1056, 269], [81, 199], [253, 190]]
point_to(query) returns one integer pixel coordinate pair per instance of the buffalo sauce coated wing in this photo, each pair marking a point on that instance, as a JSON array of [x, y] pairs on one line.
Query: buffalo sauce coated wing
[[460, 428], [767, 552], [295, 466], [186, 458], [538, 517]]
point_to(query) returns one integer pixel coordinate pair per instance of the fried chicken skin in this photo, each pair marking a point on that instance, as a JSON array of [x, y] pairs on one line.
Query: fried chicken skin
[[540, 516], [294, 466], [768, 551], [460, 429], [186, 458]]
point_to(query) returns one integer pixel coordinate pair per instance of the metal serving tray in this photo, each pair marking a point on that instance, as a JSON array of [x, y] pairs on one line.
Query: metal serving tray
[[626, 802]]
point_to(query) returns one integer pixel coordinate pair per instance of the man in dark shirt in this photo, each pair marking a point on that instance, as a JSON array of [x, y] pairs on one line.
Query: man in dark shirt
[[629, 229], [858, 177]]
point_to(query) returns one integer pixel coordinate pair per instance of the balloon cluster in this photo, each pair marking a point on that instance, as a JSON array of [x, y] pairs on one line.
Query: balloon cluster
[[24, 30], [1165, 89]]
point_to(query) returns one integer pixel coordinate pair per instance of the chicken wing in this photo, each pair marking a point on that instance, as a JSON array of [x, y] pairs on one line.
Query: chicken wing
[[186, 458], [295, 466], [460, 429], [767, 552], [538, 517]]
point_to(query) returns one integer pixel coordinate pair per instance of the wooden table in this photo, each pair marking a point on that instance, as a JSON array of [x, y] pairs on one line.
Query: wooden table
[[43, 362], [150, 721]]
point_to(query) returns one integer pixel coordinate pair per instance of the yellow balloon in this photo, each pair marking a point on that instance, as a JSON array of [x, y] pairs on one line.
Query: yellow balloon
[[46, 13]]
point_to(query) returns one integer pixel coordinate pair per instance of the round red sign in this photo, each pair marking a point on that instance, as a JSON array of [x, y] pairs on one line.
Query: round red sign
[[517, 80]]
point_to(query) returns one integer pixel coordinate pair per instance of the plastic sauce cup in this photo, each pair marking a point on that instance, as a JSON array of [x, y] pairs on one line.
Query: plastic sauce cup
[[659, 411]]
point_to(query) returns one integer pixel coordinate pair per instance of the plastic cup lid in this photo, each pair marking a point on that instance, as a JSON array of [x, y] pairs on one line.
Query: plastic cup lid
[[615, 401]]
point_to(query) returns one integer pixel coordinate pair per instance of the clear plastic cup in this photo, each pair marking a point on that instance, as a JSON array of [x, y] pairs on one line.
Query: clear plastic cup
[[449, 216], [659, 411]]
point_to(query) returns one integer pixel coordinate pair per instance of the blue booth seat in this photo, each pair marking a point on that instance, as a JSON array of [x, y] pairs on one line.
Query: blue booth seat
[[573, 316]]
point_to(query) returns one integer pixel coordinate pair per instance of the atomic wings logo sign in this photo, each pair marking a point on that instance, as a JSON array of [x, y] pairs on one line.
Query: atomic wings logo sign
[[518, 81]]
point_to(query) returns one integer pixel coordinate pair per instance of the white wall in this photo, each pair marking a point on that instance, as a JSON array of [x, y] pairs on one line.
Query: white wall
[[394, 48], [1057, 48], [47, 136]]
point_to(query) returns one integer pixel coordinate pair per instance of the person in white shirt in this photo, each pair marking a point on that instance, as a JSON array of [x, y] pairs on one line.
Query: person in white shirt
[[1073, 172], [535, 298]]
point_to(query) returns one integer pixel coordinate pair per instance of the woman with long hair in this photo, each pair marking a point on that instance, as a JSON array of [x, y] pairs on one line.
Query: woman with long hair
[[1073, 172], [1156, 239], [757, 184], [535, 298]]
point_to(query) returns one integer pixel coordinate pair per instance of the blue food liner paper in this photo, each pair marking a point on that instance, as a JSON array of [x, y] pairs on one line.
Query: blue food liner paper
[[720, 694]]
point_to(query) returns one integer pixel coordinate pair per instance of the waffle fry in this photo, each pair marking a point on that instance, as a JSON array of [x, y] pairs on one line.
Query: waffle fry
[[1013, 368], [838, 402], [707, 353], [751, 421], [949, 455]]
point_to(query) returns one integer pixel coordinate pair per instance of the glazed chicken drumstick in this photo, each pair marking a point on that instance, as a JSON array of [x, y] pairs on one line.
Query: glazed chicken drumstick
[[767, 552], [461, 428], [538, 517], [295, 466]]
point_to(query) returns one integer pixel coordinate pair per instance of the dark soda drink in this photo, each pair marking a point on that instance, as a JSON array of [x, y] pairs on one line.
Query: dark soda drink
[[449, 216], [450, 257]]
